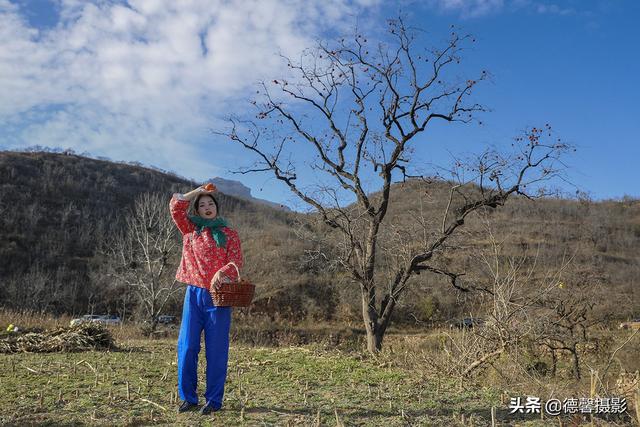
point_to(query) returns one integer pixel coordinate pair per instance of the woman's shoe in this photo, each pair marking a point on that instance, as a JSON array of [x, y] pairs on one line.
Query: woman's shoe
[[187, 406], [209, 408]]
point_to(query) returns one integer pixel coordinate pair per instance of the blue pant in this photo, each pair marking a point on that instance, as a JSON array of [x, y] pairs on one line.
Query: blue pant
[[199, 313]]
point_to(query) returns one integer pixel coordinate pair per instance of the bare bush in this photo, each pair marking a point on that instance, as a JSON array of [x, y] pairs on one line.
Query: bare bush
[[144, 256], [525, 310]]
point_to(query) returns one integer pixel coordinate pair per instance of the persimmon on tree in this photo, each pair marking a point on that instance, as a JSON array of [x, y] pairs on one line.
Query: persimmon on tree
[[342, 127]]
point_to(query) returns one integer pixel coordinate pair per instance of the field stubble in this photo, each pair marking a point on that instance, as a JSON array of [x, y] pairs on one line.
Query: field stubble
[[305, 382]]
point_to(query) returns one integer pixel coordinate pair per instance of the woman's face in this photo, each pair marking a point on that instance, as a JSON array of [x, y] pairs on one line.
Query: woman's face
[[206, 208]]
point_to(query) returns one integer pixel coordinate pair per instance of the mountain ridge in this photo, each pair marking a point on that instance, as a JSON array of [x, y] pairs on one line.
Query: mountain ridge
[[56, 208]]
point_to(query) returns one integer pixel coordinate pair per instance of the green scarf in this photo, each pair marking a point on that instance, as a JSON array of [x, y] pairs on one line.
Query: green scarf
[[215, 225]]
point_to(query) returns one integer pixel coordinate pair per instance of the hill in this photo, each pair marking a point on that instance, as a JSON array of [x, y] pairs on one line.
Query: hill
[[57, 209], [598, 240]]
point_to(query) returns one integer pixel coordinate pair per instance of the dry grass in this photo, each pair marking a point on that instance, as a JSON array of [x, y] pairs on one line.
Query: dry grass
[[524, 371], [31, 320]]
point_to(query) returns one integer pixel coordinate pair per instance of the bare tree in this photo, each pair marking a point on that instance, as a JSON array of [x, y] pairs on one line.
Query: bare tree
[[144, 254], [35, 290], [344, 126], [566, 318]]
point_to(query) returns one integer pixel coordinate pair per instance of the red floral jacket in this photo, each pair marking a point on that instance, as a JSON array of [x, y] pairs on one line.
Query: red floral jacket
[[201, 258]]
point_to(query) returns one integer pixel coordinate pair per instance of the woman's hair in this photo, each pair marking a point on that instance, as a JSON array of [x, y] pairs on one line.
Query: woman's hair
[[195, 204]]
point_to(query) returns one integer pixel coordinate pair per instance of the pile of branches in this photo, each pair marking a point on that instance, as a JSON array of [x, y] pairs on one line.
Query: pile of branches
[[83, 337]]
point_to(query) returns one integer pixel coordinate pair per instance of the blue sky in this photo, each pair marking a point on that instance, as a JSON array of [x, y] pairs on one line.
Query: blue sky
[[146, 80]]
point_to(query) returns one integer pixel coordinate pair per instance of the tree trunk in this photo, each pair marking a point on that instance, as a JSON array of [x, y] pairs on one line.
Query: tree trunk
[[375, 330], [576, 361], [375, 335]]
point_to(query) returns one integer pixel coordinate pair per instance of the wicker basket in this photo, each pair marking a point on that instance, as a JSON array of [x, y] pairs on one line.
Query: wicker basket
[[233, 294]]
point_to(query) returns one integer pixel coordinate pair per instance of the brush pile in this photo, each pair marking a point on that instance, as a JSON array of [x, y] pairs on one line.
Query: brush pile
[[83, 337]]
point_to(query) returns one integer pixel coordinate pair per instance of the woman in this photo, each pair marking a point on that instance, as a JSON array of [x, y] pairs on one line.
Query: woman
[[211, 256]]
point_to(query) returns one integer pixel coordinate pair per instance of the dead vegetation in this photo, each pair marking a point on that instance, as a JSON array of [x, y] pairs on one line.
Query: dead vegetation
[[83, 337]]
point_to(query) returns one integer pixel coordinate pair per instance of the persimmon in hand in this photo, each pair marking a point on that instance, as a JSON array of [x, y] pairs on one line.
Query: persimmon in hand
[[210, 187]]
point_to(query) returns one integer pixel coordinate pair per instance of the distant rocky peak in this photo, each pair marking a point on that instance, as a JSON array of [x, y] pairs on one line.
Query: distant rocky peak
[[232, 188], [238, 189]]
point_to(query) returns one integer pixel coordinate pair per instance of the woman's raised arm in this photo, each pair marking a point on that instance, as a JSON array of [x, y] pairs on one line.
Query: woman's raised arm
[[179, 205]]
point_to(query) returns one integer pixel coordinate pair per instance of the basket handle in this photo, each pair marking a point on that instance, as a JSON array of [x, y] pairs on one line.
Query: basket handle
[[237, 269]]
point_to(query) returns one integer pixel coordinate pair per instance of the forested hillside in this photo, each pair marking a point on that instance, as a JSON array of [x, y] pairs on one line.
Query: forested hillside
[[58, 211]]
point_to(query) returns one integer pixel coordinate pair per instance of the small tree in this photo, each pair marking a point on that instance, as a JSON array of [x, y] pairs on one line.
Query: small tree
[[526, 308], [566, 318], [36, 290], [347, 117], [144, 254]]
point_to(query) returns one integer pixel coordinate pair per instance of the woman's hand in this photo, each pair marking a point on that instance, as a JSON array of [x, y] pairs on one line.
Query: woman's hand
[[197, 191], [219, 279]]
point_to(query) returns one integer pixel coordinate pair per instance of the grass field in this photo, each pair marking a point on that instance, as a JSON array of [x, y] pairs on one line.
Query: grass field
[[265, 386], [294, 385]]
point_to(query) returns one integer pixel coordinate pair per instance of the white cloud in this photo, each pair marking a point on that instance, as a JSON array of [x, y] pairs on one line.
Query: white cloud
[[144, 81], [553, 9], [477, 8], [469, 8]]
